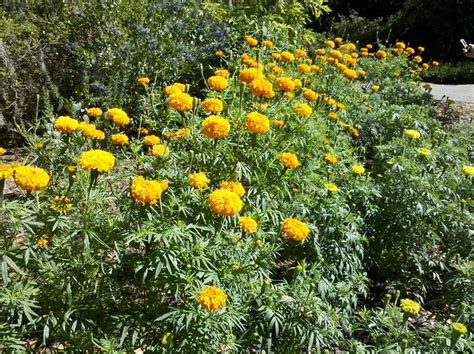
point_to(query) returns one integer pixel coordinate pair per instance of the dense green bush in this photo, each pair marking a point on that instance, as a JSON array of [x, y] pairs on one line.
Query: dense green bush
[[452, 73]]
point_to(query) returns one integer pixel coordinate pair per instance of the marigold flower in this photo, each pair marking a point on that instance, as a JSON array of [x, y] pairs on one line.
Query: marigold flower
[[174, 88], [423, 152], [94, 134], [96, 160], [71, 169], [66, 124], [42, 242], [278, 123], [400, 45], [468, 170], [381, 54], [61, 204], [143, 80], [288, 159], [257, 123], [247, 224], [411, 134], [118, 116], [215, 127], [167, 337], [320, 51], [310, 95], [225, 202], [217, 83], [375, 88], [151, 140], [7, 170], [252, 42], [119, 139], [30, 178], [329, 101], [409, 306], [222, 72], [435, 63], [180, 101], [330, 158], [350, 74], [332, 115], [330, 44], [2, 151], [287, 56], [145, 192], [233, 186], [459, 327], [302, 109], [295, 229], [358, 169], [285, 84], [94, 112], [250, 74], [199, 180], [331, 187], [219, 53], [289, 95], [262, 87], [276, 56], [159, 150], [143, 131], [267, 43], [211, 298], [300, 53]]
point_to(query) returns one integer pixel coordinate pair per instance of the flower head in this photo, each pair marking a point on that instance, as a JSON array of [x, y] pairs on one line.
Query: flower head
[[267, 43], [409, 306], [459, 327], [180, 101], [217, 83], [118, 116], [30, 178], [295, 229], [233, 186], [247, 224], [212, 105], [42, 242], [61, 204], [225, 202], [262, 87], [222, 72], [119, 139], [96, 160], [219, 53], [2, 151], [411, 134], [143, 80], [151, 140], [289, 159], [423, 152], [331, 187], [468, 170], [252, 42], [257, 123], [199, 180], [358, 169], [310, 95], [159, 150], [249, 74], [145, 192], [285, 84], [174, 88], [287, 56], [211, 298], [94, 112], [7, 170], [66, 124], [302, 109], [215, 127], [330, 158]]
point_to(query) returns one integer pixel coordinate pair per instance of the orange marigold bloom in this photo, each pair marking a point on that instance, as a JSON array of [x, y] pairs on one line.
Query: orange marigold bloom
[[159, 150], [145, 192], [94, 112], [222, 72], [119, 139], [247, 224], [174, 88], [151, 140], [66, 124], [143, 80], [212, 298], [300, 53], [225, 202], [212, 105], [304, 68], [199, 180], [217, 83], [287, 56], [302, 109], [97, 160], [295, 229], [278, 123], [267, 43], [252, 42], [180, 101], [310, 95], [118, 116], [233, 186], [381, 54], [257, 123], [285, 84], [330, 158], [219, 53], [350, 74], [30, 178], [215, 127], [261, 87], [250, 74], [289, 160]]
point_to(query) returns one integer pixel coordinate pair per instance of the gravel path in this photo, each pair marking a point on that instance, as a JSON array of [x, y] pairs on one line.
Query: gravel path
[[461, 93]]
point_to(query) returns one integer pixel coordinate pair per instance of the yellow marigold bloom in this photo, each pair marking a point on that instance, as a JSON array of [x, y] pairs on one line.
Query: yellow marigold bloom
[[350, 74], [66, 124], [411, 134], [174, 88], [94, 112], [300, 53], [425, 66], [42, 242], [409, 51], [61, 204], [468, 170], [459, 327], [330, 44], [335, 54], [329, 101], [330, 158], [217, 83], [304, 68], [7, 170], [143, 131], [337, 40], [409, 306], [119, 139], [310, 95], [331, 187], [233, 186], [159, 150], [250, 74], [278, 123], [96, 160], [418, 59], [340, 105], [287, 56], [215, 127], [295, 229], [298, 82], [261, 87], [289, 95], [72, 169], [285, 84], [211, 298], [225, 202], [320, 51], [181, 133], [198, 180], [257, 123], [30, 178], [151, 140], [369, 46], [144, 191], [94, 134], [2, 151], [315, 68], [143, 80], [247, 224], [276, 56], [118, 116], [219, 53], [252, 42], [222, 72], [212, 105], [181, 101], [421, 49], [302, 109], [381, 54], [375, 88], [276, 69], [37, 146], [400, 45], [358, 169], [435, 63], [423, 152], [332, 115], [167, 337], [288, 159], [267, 43]]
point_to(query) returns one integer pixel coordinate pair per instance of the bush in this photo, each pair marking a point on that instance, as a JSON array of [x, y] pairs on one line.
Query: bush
[[451, 73]]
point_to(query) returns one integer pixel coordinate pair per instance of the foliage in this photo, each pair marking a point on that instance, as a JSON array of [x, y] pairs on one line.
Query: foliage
[[451, 73]]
